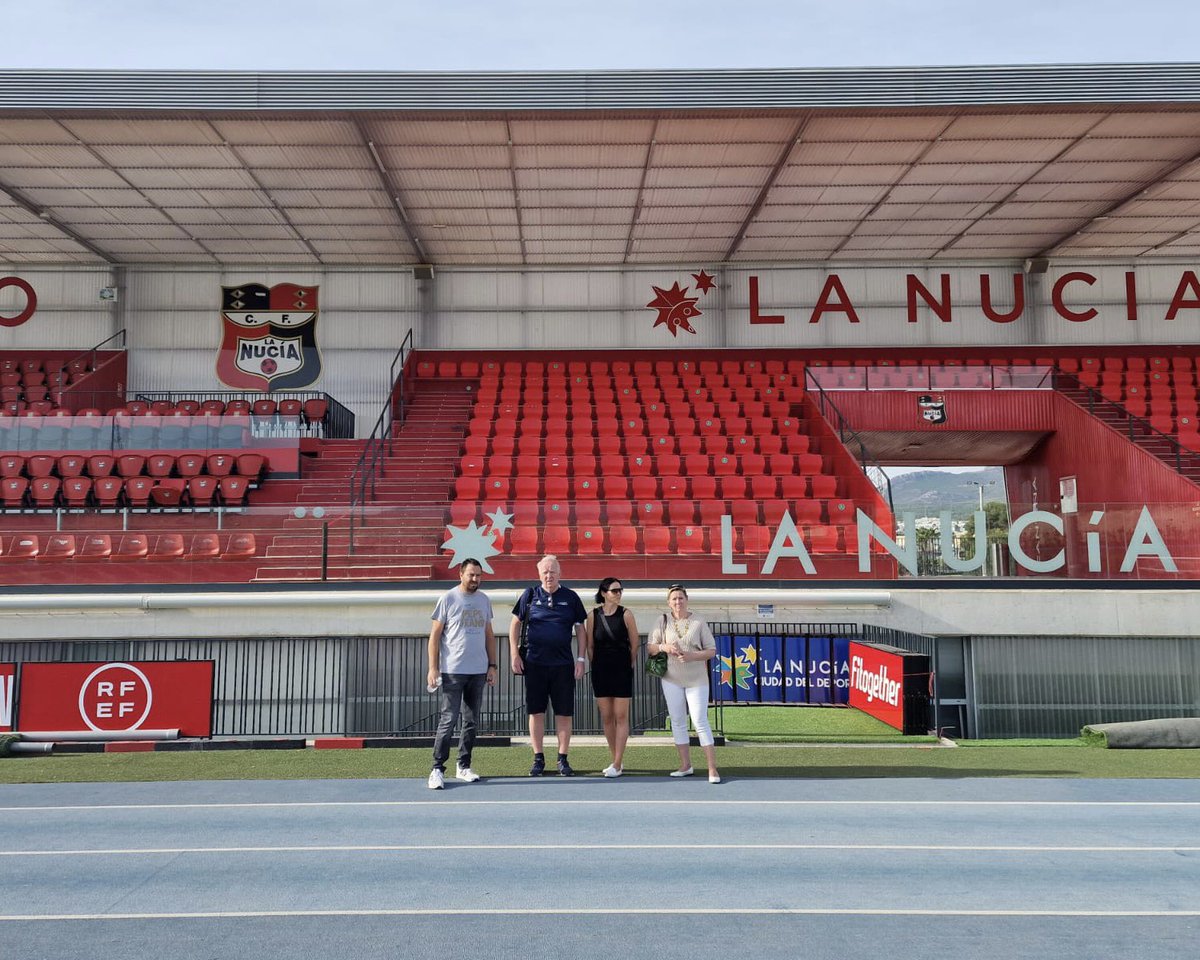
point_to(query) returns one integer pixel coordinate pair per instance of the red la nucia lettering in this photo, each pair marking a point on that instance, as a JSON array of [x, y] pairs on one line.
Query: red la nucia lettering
[[935, 301]]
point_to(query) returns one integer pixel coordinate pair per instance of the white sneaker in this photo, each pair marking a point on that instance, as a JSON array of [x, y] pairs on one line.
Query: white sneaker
[[612, 771], [465, 774], [682, 773], [437, 779]]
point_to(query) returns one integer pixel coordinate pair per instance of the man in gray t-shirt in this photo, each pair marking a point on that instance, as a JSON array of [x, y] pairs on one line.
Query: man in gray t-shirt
[[462, 659]]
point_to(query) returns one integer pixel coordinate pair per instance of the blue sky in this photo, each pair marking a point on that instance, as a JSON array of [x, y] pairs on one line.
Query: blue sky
[[617, 34]]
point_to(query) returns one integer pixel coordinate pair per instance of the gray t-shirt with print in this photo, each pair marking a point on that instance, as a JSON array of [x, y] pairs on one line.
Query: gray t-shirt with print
[[464, 617]]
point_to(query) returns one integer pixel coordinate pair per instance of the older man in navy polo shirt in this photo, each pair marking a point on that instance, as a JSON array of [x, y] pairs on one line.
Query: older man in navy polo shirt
[[550, 666]]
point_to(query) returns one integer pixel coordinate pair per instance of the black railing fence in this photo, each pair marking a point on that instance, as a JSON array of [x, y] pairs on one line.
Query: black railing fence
[[375, 686]]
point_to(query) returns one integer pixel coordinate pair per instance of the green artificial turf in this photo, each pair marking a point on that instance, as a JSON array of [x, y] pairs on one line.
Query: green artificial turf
[[770, 761]]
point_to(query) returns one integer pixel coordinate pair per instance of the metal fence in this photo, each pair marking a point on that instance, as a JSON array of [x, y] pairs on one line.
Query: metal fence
[[335, 686]]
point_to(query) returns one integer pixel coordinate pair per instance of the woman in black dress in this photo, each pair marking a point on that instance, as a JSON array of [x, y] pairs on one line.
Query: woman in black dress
[[613, 640]]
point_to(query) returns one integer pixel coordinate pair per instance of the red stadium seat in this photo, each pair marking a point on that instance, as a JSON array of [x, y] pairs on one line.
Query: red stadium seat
[[22, 547], [238, 408], [618, 512], [106, 491], [59, 546], [100, 465], [11, 465], [132, 546], [622, 540], [703, 487], [130, 465], [823, 487], [43, 492], [72, 466], [167, 493], [137, 492], [251, 466], [240, 546], [13, 491], [656, 540], [95, 546], [556, 540], [212, 408], [202, 490], [160, 465], [524, 541], [168, 546], [204, 546], [219, 464], [40, 466], [76, 491]]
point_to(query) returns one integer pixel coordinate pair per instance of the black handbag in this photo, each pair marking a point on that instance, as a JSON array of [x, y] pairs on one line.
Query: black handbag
[[522, 641]]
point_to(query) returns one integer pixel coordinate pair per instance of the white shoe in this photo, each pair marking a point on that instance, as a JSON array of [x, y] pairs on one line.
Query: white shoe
[[465, 774], [612, 771], [682, 773], [437, 779], [714, 778]]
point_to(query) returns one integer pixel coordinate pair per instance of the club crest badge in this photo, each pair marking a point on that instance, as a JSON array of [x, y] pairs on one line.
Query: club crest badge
[[676, 310], [932, 407], [268, 337]]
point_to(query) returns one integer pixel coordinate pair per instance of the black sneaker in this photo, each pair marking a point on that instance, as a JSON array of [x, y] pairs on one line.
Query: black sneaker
[[564, 768], [538, 768]]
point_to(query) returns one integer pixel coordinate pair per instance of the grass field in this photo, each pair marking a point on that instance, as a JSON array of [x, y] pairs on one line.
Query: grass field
[[775, 742]]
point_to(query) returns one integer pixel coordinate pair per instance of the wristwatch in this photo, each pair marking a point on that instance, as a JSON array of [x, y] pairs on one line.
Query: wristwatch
[[581, 659]]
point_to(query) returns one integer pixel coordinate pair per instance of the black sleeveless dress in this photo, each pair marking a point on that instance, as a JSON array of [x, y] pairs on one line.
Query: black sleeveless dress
[[612, 674]]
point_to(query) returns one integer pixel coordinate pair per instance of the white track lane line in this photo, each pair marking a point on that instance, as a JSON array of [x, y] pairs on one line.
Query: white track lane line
[[484, 847], [597, 912], [692, 802]]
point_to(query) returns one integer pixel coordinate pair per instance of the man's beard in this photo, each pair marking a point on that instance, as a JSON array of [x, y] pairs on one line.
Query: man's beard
[[470, 587]]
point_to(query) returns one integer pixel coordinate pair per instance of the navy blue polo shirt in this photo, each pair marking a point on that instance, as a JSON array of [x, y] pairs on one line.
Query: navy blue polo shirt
[[552, 619]]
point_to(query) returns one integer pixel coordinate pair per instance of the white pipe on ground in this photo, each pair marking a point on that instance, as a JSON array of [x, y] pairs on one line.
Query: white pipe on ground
[[94, 736]]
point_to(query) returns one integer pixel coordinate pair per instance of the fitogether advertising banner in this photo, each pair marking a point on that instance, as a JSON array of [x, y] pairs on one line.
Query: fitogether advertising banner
[[891, 685], [144, 695]]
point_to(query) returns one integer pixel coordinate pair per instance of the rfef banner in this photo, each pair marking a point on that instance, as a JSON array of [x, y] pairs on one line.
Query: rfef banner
[[891, 685], [8, 689], [118, 696]]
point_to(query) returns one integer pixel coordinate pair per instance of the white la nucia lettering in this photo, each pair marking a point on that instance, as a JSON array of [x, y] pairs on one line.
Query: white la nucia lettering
[[268, 347]]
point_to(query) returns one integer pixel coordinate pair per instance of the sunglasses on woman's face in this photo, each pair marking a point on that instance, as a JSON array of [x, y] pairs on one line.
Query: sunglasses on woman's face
[[616, 589]]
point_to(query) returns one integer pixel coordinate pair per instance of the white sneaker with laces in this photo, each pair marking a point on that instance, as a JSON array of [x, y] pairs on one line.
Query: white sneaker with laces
[[612, 771], [465, 774], [437, 779]]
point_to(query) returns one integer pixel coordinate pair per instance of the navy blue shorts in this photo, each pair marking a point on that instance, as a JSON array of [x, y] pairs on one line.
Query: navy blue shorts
[[553, 685]]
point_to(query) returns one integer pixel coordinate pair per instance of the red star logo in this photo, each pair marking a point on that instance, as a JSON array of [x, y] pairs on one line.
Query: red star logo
[[675, 308], [704, 282]]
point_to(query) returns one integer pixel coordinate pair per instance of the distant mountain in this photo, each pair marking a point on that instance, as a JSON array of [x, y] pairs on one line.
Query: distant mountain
[[927, 492]]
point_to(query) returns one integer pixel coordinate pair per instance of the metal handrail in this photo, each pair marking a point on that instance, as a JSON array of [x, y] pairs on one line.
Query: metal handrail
[[91, 352], [870, 467], [1097, 400], [371, 465]]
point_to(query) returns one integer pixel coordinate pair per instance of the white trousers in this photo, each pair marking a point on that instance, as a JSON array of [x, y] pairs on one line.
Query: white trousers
[[684, 700]]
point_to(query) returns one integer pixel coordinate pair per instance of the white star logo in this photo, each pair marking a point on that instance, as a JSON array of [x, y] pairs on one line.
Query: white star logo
[[471, 541], [501, 521]]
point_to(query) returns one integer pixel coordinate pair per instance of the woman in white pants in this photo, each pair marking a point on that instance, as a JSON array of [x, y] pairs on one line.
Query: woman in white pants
[[688, 643]]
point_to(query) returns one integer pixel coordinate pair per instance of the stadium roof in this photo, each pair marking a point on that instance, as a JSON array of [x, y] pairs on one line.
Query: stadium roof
[[846, 165]]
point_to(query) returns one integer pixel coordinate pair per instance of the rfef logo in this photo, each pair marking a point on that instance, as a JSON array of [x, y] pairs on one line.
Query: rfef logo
[[8, 690], [269, 337], [116, 696]]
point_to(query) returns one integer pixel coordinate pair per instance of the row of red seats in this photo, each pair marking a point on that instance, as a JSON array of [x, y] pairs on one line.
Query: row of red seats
[[628, 428], [712, 444], [113, 493], [660, 465], [767, 510], [20, 408], [705, 405], [663, 541], [629, 383], [77, 366], [820, 486], [129, 546], [248, 465], [471, 369], [1115, 363]]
